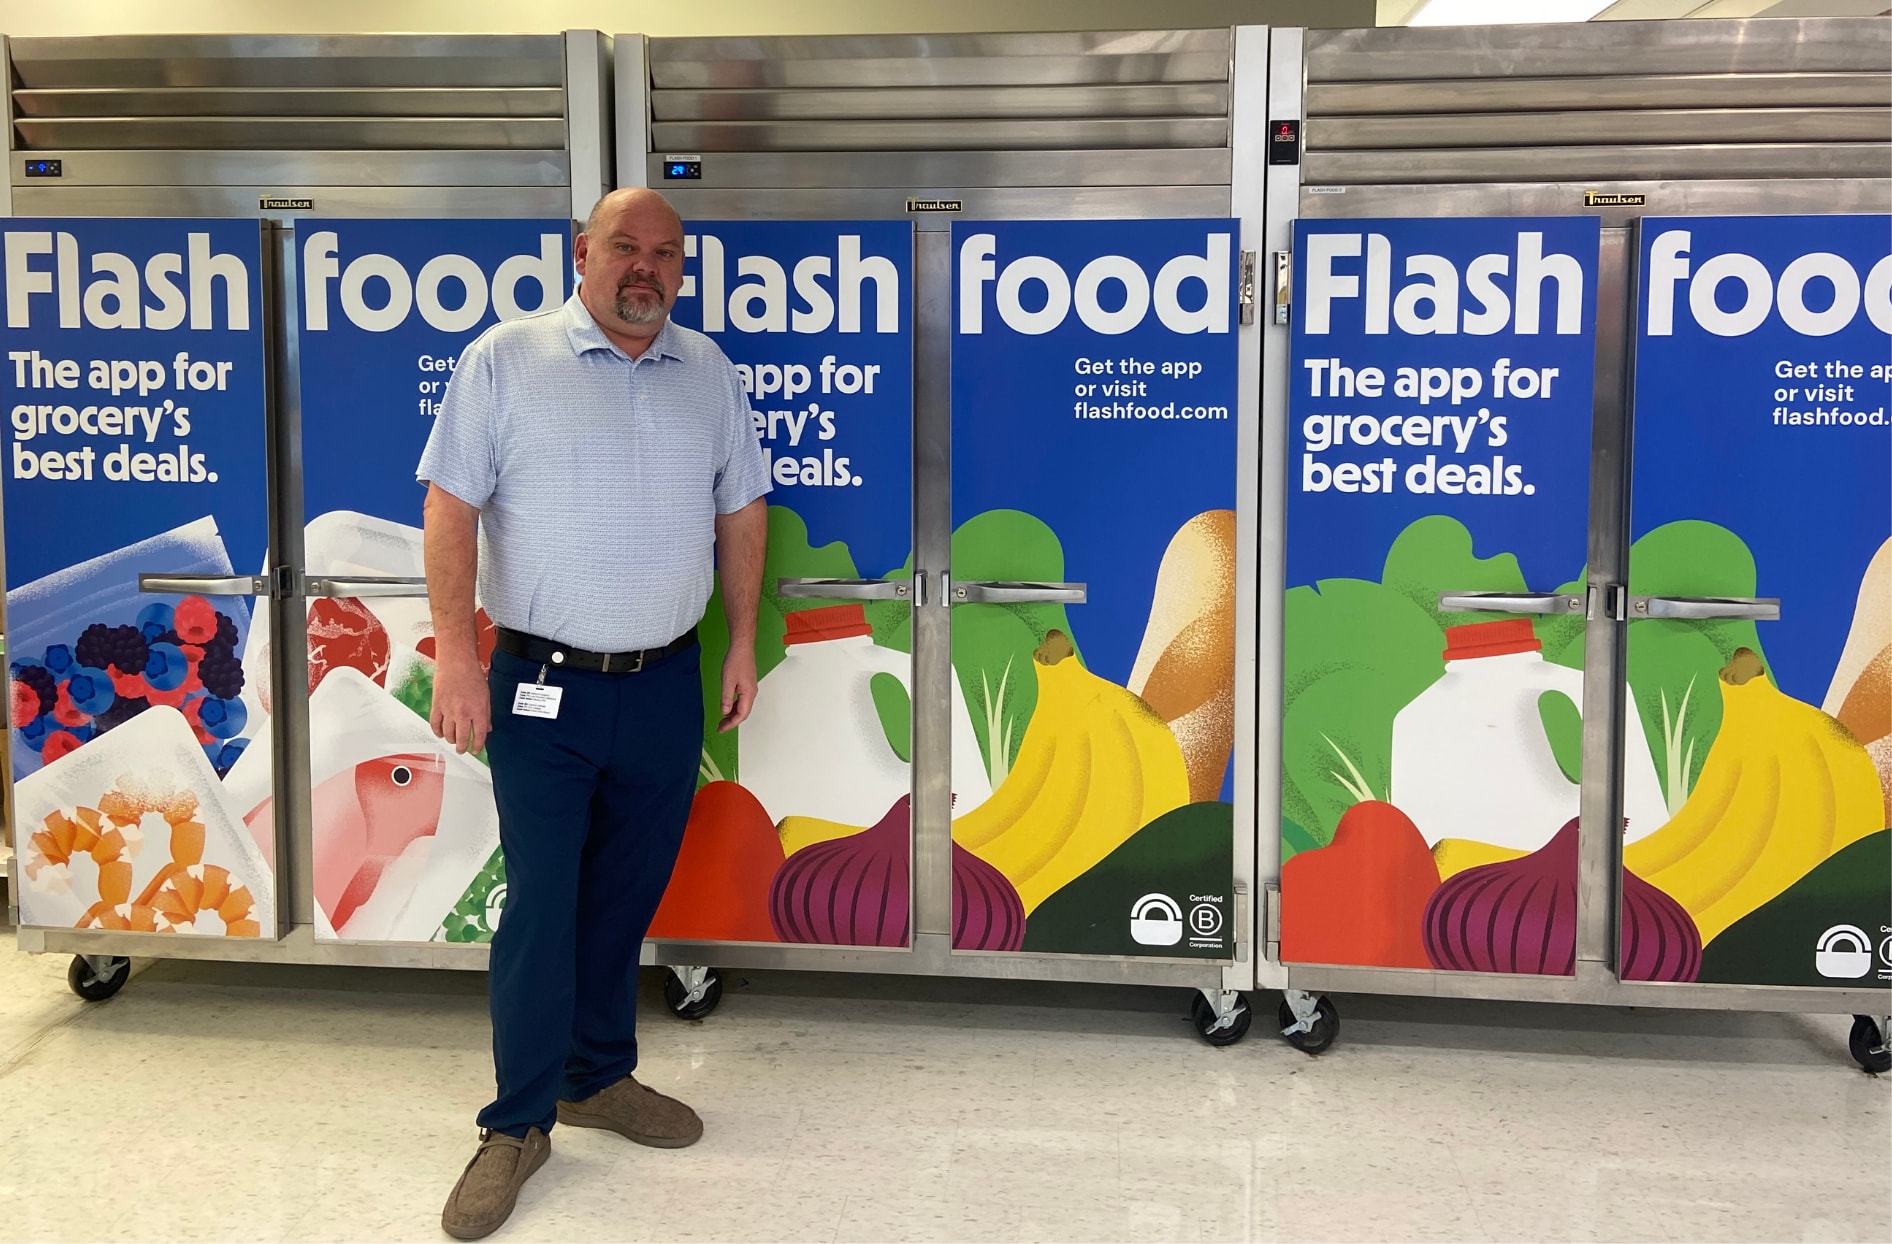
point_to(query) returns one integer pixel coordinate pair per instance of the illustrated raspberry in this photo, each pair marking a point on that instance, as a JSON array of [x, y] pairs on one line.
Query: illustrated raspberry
[[65, 712], [195, 620], [221, 673], [57, 744], [22, 702], [44, 685]]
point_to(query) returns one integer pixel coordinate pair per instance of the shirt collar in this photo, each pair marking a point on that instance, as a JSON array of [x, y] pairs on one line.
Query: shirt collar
[[585, 335]]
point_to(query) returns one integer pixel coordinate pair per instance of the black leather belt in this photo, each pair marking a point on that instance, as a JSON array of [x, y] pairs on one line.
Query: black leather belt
[[562, 656]]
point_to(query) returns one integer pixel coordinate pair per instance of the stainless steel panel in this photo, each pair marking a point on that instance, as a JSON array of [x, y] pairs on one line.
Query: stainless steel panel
[[933, 675], [301, 101], [1277, 237], [1607, 164], [1049, 203], [330, 201], [1596, 126], [934, 103], [942, 60], [1663, 198], [842, 170], [940, 135], [289, 60], [1766, 45], [1536, 94], [588, 138], [1248, 121], [1605, 657], [631, 109], [291, 172], [291, 133], [1594, 987]]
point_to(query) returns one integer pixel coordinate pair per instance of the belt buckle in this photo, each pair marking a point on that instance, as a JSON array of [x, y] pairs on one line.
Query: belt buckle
[[637, 662]]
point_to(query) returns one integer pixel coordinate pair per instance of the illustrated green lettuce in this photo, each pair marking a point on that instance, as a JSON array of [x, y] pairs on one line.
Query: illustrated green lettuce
[[1673, 665], [993, 644]]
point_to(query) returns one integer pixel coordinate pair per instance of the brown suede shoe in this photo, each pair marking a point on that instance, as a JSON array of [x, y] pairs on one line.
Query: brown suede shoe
[[639, 1113], [489, 1187]]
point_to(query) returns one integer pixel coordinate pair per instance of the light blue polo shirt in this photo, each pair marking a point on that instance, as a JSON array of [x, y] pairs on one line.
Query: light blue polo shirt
[[598, 477]]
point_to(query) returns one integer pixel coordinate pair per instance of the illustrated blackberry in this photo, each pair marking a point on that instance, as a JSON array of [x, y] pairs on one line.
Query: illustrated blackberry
[[94, 646], [122, 710], [44, 685], [226, 632], [221, 673]]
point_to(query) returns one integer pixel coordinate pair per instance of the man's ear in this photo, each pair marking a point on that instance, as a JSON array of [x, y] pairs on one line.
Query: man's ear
[[579, 247]]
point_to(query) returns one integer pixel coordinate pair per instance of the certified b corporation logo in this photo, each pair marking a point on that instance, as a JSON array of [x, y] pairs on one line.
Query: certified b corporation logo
[[1205, 920]]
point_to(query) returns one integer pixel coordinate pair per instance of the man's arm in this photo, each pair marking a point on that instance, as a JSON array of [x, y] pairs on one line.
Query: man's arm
[[462, 713], [741, 541]]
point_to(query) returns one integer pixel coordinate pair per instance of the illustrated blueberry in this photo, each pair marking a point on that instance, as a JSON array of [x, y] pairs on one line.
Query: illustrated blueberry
[[91, 690], [166, 667]]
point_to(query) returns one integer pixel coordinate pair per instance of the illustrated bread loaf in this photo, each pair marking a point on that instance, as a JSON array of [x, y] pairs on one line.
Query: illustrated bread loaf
[[1860, 695], [1185, 668]]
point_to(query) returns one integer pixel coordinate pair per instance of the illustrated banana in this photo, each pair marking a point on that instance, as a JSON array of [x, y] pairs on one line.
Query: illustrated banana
[[1783, 787], [1096, 765]]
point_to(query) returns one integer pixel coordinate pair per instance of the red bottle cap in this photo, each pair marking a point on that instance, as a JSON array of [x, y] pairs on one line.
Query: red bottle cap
[[811, 626], [1490, 639]]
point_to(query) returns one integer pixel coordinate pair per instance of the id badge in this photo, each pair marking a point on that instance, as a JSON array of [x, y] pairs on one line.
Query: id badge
[[537, 700]]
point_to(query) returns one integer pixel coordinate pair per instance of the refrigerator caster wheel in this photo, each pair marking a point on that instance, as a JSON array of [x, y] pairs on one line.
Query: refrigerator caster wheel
[[692, 993], [1222, 1019], [1311, 1027], [1868, 1044], [97, 977]]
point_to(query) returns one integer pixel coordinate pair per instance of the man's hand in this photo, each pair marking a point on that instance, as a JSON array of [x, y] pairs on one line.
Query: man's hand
[[463, 710], [739, 685]]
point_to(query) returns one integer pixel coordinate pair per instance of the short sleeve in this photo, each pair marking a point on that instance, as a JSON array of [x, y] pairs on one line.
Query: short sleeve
[[459, 455], [743, 476]]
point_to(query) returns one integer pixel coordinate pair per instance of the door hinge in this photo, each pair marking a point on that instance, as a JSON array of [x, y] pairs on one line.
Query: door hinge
[[1283, 284], [1246, 284], [1241, 922], [283, 585]]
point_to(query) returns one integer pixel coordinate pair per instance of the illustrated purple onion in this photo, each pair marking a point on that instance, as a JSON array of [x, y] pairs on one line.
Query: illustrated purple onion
[[1660, 940], [1521, 916], [987, 912], [853, 891], [856, 891], [1513, 916]]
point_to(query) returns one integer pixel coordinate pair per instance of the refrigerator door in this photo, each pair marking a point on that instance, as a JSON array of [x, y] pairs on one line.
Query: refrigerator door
[[802, 831], [1760, 467], [405, 832], [1438, 471], [137, 498], [1094, 391]]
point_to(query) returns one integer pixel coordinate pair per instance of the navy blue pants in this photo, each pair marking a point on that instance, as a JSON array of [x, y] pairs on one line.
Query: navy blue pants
[[592, 807]]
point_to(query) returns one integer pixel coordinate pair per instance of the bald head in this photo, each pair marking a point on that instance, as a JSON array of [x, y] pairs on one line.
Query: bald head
[[630, 265], [632, 199]]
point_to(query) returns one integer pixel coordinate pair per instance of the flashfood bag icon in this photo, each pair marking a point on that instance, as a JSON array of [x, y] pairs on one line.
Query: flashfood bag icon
[[1471, 759], [815, 746], [1844, 952], [1156, 920]]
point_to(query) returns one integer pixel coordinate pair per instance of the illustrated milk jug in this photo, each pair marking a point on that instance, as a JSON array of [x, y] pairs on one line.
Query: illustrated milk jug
[[1470, 756], [815, 746]]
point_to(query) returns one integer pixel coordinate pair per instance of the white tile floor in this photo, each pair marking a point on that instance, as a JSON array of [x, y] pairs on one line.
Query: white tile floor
[[211, 1102]]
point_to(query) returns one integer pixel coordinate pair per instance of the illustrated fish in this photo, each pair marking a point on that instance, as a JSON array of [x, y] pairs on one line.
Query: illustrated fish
[[364, 818]]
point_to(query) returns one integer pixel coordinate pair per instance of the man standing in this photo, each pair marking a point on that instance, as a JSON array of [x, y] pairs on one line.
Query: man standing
[[595, 454]]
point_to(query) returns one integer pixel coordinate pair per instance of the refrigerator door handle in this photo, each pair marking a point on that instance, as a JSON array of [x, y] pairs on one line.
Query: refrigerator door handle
[[364, 586], [845, 589], [204, 584], [1510, 602], [1704, 608], [1016, 592]]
